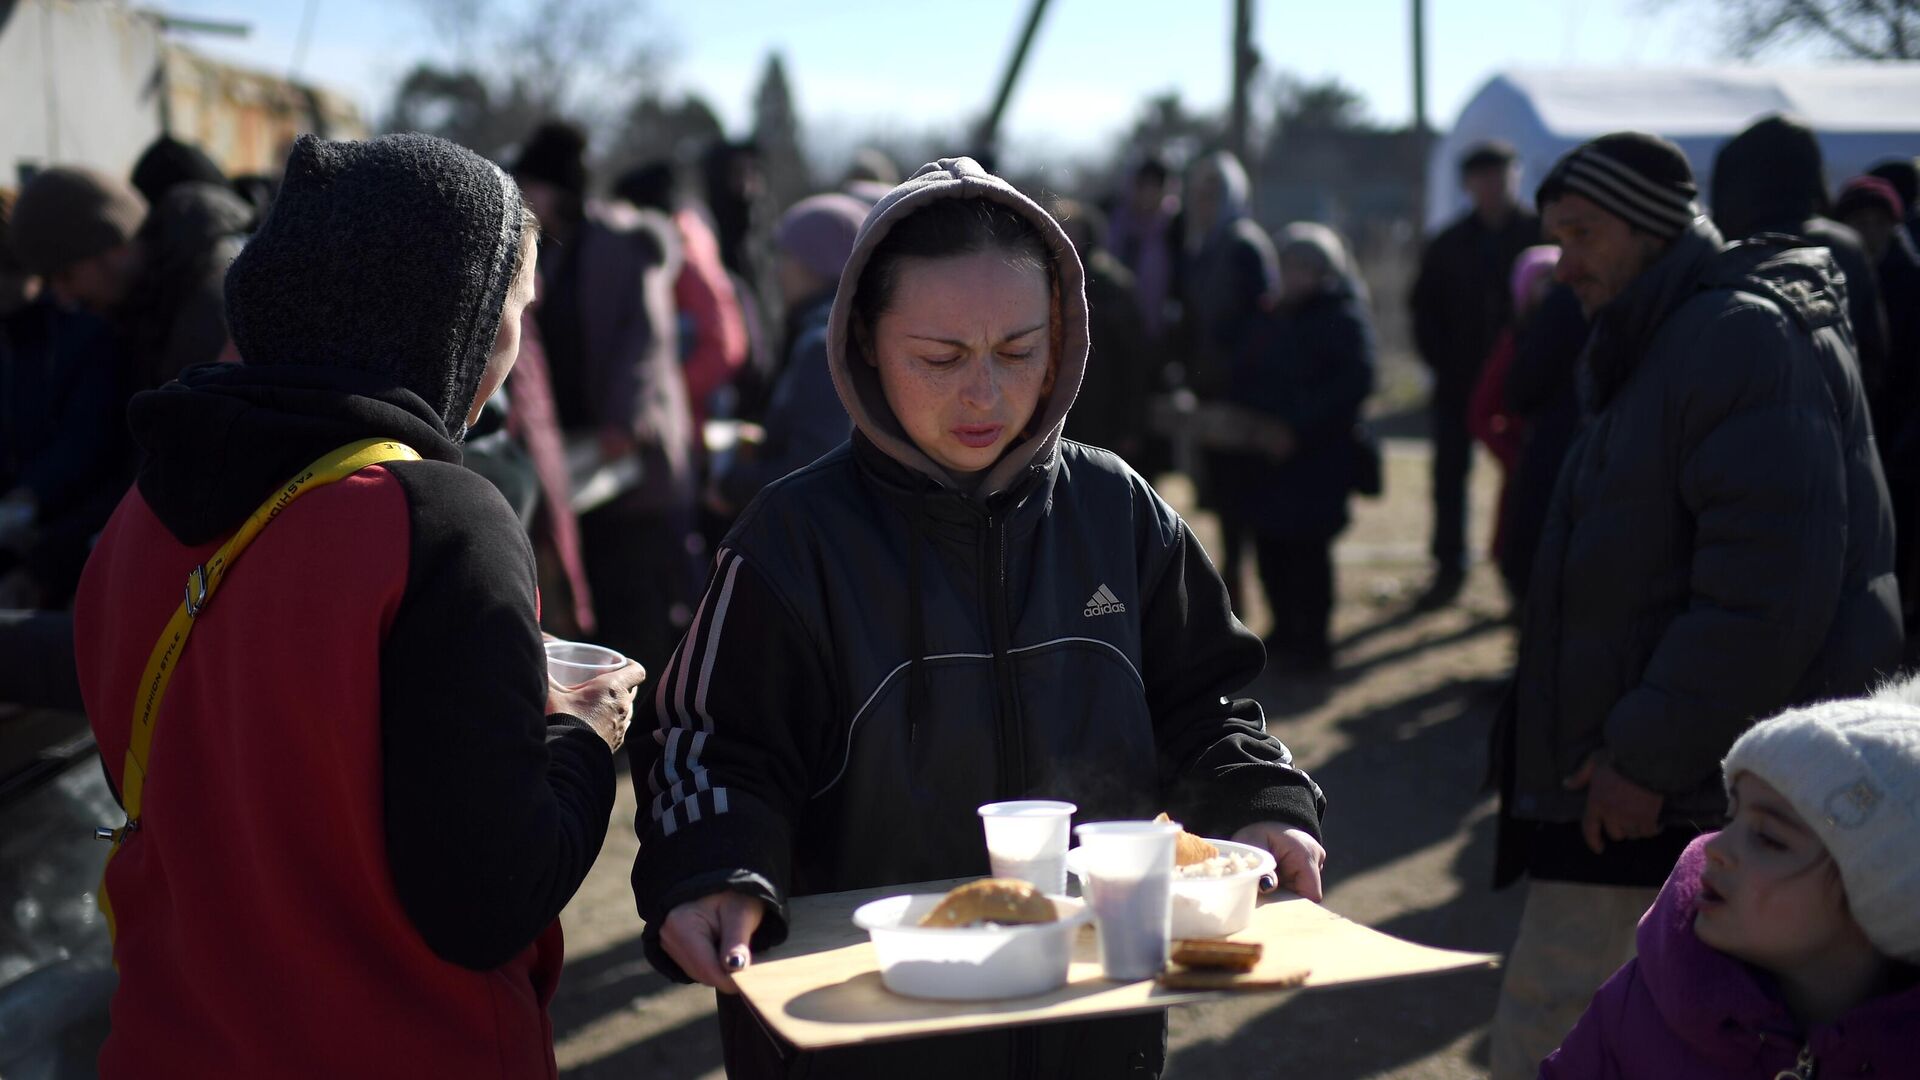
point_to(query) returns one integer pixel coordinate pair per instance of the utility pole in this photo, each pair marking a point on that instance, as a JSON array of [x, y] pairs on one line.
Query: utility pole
[[1420, 66], [1244, 59], [989, 131], [1422, 135]]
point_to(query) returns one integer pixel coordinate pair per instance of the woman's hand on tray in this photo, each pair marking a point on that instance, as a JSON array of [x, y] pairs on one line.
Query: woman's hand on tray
[[708, 937], [1300, 856]]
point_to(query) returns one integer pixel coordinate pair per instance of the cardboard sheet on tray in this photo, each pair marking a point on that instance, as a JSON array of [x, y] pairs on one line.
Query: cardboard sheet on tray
[[822, 988]]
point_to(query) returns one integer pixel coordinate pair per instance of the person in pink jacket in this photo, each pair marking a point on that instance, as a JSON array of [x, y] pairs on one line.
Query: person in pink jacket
[[1783, 946], [714, 327]]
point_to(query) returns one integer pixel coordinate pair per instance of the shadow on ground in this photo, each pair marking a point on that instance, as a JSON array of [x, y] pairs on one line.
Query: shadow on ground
[[1408, 780], [620, 980], [1407, 423]]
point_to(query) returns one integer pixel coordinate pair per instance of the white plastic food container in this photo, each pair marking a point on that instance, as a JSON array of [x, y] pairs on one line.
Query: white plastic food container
[[959, 964], [1211, 907]]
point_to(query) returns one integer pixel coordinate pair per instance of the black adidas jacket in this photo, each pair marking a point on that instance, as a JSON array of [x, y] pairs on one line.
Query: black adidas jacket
[[807, 753], [879, 653]]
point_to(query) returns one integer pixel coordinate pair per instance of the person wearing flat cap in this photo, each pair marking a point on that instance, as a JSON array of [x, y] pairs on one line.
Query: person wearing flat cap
[[1719, 548]]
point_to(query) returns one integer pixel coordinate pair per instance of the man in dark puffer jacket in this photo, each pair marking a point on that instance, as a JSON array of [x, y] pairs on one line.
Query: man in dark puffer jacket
[[1720, 547]]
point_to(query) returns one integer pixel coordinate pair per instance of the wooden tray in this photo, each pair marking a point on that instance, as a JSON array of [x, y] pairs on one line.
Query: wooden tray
[[822, 987]]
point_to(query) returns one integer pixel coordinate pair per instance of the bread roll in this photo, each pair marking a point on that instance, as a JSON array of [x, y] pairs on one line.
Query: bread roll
[[992, 900], [1188, 849]]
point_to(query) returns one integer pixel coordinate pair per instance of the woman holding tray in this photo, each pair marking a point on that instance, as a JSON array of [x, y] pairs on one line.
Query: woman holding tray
[[955, 607]]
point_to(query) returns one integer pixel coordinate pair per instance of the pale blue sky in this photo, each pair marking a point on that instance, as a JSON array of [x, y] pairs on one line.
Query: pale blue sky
[[906, 66]]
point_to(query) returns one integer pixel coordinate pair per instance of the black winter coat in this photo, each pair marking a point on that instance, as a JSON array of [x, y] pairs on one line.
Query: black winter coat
[[1310, 366], [1541, 390], [62, 408], [1222, 287], [804, 419], [1769, 179], [1894, 418], [176, 316], [1111, 412], [885, 645], [1860, 285], [1462, 299], [1720, 545]]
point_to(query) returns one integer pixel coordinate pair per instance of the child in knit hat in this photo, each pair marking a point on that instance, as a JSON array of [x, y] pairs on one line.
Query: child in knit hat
[[1785, 944]]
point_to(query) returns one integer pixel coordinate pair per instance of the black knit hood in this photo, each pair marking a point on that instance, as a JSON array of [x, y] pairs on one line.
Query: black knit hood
[[392, 256]]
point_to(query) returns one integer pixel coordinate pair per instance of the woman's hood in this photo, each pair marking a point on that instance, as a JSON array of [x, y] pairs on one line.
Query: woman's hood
[[859, 384], [1236, 197], [1323, 248]]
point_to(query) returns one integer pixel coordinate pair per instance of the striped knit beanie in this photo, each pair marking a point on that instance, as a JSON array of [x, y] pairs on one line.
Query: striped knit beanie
[[1642, 179]]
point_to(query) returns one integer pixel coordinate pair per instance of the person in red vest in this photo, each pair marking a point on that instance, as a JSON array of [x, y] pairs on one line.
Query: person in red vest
[[358, 805]]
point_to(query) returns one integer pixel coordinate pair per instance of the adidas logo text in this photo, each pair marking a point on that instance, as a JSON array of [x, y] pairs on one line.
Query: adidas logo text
[[1104, 603]]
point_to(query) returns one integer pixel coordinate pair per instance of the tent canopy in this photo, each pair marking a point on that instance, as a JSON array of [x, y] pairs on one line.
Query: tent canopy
[[1862, 113]]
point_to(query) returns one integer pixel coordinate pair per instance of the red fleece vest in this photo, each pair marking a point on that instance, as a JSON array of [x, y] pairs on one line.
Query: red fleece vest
[[259, 930]]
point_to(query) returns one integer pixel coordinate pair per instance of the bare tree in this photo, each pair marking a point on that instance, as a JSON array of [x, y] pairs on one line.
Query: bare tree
[[1323, 105], [776, 131], [513, 65], [1167, 127], [660, 128], [1856, 29]]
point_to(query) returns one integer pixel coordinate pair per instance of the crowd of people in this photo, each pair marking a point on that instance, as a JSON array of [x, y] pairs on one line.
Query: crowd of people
[[678, 299], [865, 485], [108, 287]]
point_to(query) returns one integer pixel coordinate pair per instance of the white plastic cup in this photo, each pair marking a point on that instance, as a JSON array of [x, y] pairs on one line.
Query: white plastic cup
[[572, 663], [1027, 841], [1130, 887]]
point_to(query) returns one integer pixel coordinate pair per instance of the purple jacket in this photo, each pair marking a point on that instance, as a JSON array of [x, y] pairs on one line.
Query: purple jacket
[[1685, 1011]]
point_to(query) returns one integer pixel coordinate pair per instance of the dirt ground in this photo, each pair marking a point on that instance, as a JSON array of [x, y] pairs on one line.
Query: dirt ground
[[1396, 735]]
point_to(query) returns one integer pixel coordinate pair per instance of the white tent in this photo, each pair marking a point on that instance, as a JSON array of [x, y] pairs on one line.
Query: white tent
[[1862, 112]]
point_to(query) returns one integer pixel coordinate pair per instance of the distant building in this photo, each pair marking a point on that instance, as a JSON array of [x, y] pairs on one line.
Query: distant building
[[1860, 112], [1361, 182], [92, 82], [1365, 184]]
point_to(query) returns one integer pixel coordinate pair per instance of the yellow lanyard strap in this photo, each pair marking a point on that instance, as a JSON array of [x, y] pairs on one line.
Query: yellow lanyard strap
[[204, 581]]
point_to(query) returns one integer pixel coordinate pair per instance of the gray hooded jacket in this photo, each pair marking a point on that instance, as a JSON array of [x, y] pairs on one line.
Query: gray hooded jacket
[[880, 652]]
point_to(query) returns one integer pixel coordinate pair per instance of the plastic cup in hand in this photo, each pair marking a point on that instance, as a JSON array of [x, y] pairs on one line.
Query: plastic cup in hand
[[1027, 841], [1129, 882], [572, 663]]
